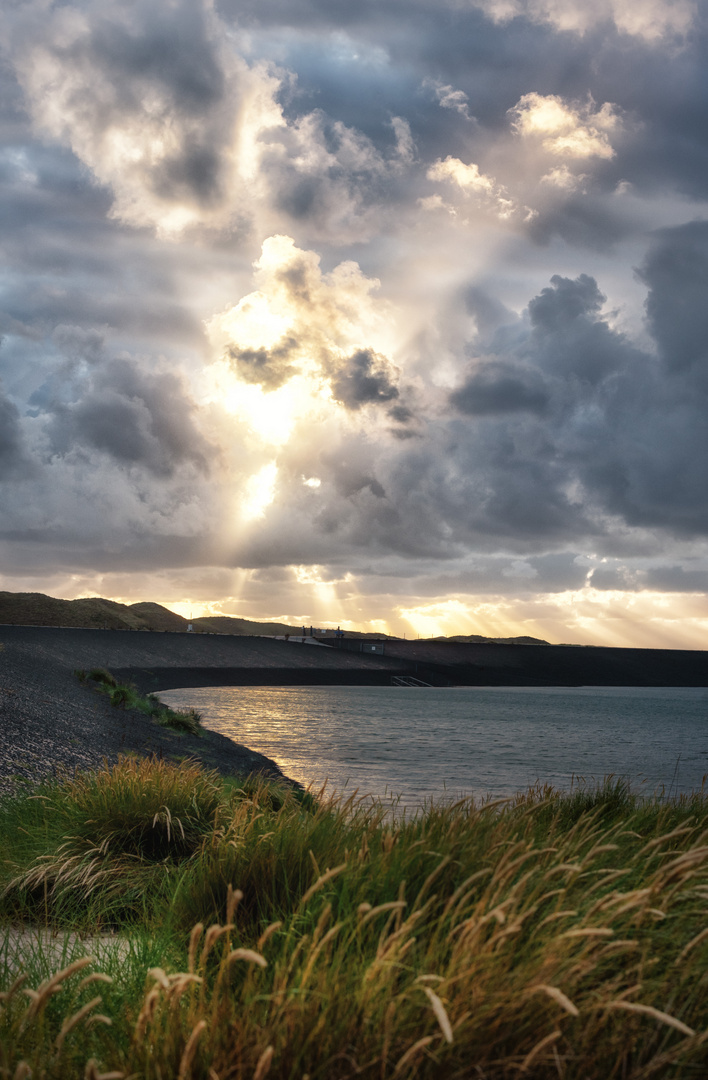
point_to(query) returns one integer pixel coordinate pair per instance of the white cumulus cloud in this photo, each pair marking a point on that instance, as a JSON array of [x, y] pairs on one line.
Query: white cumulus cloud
[[565, 130]]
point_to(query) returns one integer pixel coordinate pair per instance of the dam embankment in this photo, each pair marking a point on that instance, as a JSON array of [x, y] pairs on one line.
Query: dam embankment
[[469, 664]]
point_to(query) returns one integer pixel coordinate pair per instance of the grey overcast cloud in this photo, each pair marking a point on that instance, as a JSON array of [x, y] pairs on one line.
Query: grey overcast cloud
[[388, 314]]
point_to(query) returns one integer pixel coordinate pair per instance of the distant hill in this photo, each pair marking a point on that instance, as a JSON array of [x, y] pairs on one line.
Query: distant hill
[[227, 624], [36, 609], [479, 640], [157, 617]]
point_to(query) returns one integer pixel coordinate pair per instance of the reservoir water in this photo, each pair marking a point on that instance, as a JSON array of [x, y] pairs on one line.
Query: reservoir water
[[423, 744]]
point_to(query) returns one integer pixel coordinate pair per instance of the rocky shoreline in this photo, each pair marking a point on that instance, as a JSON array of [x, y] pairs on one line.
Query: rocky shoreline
[[51, 724]]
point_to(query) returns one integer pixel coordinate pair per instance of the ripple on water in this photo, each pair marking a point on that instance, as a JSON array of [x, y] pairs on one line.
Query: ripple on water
[[435, 743]]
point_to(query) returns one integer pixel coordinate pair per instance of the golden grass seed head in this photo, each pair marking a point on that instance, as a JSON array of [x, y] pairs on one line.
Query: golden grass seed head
[[264, 1063]]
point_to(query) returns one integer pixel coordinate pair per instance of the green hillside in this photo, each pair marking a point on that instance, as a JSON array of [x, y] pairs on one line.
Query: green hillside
[[36, 609], [478, 639], [157, 617]]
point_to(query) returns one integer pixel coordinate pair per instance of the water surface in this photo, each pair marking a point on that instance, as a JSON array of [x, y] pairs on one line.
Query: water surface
[[433, 743]]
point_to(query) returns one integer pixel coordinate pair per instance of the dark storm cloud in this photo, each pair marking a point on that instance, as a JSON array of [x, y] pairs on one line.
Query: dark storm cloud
[[505, 479], [401, 414], [569, 339], [511, 465], [365, 378], [489, 312], [676, 271], [477, 575], [665, 579], [666, 91], [646, 446], [11, 452], [585, 221], [630, 429], [269, 368], [677, 579], [136, 418], [501, 387], [560, 307], [462, 485]]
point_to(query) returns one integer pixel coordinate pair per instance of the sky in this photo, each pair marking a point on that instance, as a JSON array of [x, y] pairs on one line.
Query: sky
[[390, 315]]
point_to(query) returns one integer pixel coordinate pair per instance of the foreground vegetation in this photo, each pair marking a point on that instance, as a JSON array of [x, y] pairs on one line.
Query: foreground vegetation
[[264, 933]]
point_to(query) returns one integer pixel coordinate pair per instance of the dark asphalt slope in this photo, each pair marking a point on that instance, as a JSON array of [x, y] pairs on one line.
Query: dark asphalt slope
[[146, 652]]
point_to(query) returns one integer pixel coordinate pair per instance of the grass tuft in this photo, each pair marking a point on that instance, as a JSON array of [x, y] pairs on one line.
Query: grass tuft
[[544, 936], [100, 675], [113, 838]]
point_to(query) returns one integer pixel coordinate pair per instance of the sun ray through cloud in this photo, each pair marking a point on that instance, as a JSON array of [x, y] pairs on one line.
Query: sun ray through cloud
[[281, 292]]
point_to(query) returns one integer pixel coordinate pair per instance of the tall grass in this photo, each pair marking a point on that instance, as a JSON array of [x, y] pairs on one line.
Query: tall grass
[[545, 936]]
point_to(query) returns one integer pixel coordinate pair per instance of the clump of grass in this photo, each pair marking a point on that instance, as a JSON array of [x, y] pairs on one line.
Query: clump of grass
[[122, 697], [101, 675], [543, 936], [125, 696], [113, 837], [189, 721]]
